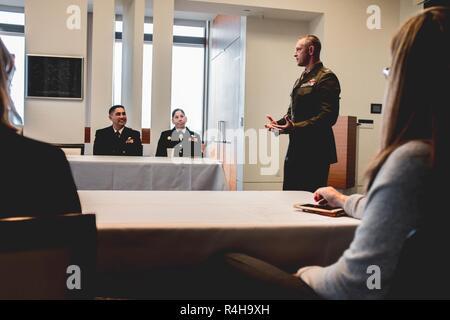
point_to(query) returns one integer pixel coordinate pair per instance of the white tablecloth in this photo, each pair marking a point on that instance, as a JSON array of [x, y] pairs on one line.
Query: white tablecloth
[[146, 173], [144, 229]]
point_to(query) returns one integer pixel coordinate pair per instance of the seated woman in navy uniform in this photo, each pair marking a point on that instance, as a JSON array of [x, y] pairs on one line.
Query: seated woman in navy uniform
[[186, 143]]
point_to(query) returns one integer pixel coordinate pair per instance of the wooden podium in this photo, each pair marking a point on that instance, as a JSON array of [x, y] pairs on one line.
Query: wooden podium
[[343, 173]]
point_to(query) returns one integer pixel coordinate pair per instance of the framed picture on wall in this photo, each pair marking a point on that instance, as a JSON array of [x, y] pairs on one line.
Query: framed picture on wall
[[54, 77]]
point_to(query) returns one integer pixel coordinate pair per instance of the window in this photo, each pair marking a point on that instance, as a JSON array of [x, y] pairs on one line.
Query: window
[[117, 67], [12, 34], [117, 87], [146, 75], [147, 85], [187, 73], [12, 18], [186, 31], [188, 83]]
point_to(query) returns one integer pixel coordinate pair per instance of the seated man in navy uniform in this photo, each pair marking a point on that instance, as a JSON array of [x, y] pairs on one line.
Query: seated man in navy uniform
[[186, 143], [117, 140]]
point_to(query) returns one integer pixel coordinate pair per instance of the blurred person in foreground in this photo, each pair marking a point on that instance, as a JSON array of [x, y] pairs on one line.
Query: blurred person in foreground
[[36, 177]]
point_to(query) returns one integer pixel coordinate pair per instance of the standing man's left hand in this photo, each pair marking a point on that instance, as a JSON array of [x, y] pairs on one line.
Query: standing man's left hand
[[284, 127]]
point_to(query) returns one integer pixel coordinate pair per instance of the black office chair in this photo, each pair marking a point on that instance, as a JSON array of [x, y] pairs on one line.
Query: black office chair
[[422, 270], [71, 149], [40, 257]]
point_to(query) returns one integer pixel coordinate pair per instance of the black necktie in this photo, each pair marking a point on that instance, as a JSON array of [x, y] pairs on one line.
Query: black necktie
[[299, 80], [117, 134], [304, 74]]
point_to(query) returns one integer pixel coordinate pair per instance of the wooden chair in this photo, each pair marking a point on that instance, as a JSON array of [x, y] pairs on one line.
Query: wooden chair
[[422, 269], [71, 149], [37, 257]]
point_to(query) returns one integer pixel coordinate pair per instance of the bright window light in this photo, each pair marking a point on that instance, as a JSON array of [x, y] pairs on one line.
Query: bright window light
[[16, 46], [146, 80], [15, 18], [189, 31], [147, 86], [182, 31], [188, 83], [119, 26], [117, 68], [187, 77], [148, 28]]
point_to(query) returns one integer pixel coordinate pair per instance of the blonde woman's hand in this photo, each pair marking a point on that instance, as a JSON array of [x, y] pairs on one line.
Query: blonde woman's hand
[[330, 197]]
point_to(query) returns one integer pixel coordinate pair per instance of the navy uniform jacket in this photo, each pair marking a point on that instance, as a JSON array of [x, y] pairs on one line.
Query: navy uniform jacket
[[314, 110], [189, 146], [36, 178], [108, 144]]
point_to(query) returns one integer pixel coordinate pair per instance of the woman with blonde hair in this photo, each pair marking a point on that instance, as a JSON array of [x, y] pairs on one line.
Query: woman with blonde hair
[[404, 229], [7, 65], [36, 179]]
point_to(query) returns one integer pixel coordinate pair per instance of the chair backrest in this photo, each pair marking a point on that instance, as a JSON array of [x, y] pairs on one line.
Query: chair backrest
[[71, 149], [422, 270], [48, 258]]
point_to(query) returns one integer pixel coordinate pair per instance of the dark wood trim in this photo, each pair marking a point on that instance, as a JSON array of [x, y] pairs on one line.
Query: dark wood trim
[[343, 173], [87, 135], [146, 136]]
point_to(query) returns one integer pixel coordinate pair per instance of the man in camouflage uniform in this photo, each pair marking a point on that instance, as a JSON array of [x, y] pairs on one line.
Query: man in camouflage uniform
[[313, 111]]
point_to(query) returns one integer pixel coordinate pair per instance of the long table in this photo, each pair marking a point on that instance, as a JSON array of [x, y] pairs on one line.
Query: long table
[[138, 230], [146, 173]]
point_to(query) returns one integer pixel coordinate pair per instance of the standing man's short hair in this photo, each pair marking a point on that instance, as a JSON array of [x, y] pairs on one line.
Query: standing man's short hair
[[113, 108], [314, 41]]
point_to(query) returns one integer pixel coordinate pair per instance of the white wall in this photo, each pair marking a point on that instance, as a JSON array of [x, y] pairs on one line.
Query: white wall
[[163, 15], [55, 121], [101, 76], [132, 60], [270, 73], [409, 8]]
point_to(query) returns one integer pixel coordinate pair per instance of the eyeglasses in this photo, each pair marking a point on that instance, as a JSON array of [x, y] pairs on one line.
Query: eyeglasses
[[386, 72]]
